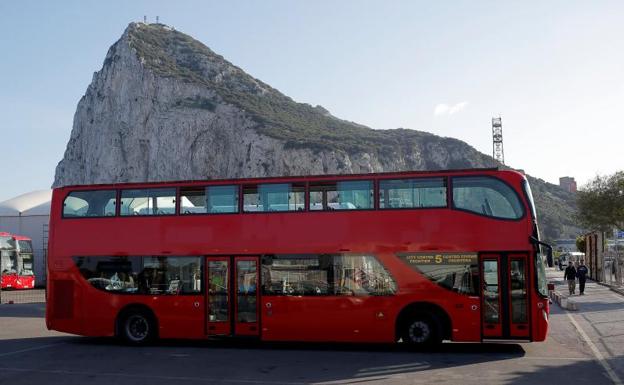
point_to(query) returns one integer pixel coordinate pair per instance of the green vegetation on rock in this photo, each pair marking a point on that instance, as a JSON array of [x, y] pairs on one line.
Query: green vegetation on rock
[[198, 102], [556, 210], [170, 53]]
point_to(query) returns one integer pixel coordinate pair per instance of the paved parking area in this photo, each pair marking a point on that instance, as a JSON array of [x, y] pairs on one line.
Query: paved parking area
[[30, 354]]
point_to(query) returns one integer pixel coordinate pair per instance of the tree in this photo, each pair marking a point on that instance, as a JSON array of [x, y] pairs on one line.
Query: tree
[[580, 243], [601, 203]]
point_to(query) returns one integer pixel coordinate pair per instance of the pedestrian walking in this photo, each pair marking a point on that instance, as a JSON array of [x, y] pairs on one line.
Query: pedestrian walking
[[581, 273], [570, 276]]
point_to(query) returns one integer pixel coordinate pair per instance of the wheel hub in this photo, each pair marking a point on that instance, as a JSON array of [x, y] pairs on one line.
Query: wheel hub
[[419, 332], [137, 328]]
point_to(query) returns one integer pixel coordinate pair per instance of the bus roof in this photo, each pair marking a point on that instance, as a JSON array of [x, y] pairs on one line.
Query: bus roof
[[322, 177], [16, 237]]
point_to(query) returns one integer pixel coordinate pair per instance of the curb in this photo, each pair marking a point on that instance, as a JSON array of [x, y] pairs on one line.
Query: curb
[[563, 302], [618, 290]]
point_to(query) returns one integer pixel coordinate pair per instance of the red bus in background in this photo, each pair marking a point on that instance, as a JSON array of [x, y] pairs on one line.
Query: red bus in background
[[16, 262], [416, 257]]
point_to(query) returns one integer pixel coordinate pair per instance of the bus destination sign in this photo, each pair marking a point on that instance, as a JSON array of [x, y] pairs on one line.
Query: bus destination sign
[[439, 258]]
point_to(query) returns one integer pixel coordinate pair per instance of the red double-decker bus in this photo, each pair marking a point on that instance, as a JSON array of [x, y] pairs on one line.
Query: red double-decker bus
[[417, 257], [16, 262]]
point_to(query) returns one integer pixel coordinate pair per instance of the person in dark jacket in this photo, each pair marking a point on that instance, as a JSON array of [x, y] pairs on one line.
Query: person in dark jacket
[[570, 276], [581, 273]]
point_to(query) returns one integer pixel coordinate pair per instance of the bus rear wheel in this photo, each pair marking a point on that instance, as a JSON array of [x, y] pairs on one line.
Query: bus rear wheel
[[421, 331], [137, 327]]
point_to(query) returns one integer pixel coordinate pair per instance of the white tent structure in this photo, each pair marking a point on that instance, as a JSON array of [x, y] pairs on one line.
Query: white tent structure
[[29, 214]]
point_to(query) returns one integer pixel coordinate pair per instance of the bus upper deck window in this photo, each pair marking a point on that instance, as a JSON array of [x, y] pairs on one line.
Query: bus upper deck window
[[486, 196], [341, 195], [209, 200], [92, 203], [222, 199], [155, 201], [412, 193], [273, 197]]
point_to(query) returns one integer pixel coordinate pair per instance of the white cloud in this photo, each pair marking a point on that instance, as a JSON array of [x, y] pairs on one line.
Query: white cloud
[[458, 107], [445, 109], [440, 109]]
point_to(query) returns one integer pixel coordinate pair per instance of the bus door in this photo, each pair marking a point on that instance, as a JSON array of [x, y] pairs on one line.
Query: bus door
[[504, 296], [232, 297]]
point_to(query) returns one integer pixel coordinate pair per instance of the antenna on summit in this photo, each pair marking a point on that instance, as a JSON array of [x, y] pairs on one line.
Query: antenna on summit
[[157, 22], [497, 140], [144, 19]]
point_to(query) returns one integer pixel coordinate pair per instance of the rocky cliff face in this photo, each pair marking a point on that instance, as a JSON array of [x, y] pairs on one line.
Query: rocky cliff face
[[166, 107]]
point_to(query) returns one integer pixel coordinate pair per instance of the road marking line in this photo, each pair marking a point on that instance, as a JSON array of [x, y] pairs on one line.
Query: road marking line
[[537, 358], [358, 380], [30, 349], [601, 360], [374, 368], [392, 371]]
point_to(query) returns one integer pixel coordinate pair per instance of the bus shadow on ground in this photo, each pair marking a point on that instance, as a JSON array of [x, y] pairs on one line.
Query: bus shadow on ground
[[170, 361], [498, 350]]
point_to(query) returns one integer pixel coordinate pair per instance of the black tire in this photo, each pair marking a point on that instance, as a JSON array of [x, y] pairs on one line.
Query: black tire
[[137, 327], [421, 331]]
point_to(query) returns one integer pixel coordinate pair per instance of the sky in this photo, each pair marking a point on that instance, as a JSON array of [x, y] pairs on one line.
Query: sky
[[552, 70]]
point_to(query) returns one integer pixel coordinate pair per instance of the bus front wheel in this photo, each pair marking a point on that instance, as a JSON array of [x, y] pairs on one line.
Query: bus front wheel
[[137, 327], [421, 331]]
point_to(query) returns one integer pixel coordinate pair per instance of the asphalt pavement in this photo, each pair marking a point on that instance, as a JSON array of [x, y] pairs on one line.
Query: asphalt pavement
[[29, 354]]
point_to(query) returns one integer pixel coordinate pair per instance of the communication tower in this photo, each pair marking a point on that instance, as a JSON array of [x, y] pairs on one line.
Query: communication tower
[[497, 140]]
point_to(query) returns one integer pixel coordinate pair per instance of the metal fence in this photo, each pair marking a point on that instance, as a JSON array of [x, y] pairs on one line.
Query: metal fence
[[22, 296]]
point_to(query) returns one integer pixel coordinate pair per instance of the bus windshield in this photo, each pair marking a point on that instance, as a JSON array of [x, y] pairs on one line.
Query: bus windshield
[[7, 243], [529, 195], [540, 269], [25, 246], [8, 262], [540, 262]]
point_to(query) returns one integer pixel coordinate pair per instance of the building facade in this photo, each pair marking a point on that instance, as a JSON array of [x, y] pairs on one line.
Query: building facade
[[567, 183]]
